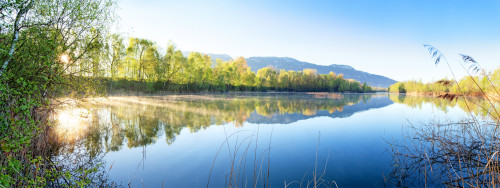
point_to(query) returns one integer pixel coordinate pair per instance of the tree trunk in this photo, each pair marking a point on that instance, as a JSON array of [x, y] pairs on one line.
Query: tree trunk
[[15, 35]]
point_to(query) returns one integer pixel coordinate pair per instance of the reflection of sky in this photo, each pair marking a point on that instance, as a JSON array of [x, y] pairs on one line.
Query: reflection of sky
[[355, 148]]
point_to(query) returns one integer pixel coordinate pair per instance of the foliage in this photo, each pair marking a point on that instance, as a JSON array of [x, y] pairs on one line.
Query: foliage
[[142, 67], [466, 85], [55, 48], [455, 154], [472, 84], [46, 46]]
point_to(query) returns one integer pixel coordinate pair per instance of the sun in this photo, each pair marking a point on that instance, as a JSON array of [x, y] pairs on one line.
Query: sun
[[64, 58]]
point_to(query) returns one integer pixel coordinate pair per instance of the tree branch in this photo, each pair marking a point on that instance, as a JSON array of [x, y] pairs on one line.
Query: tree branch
[[15, 35]]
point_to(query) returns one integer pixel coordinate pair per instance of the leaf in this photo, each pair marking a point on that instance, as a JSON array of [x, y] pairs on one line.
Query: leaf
[[474, 66], [435, 53]]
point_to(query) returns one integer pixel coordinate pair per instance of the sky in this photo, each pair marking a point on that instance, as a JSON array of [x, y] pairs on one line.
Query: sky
[[380, 37]]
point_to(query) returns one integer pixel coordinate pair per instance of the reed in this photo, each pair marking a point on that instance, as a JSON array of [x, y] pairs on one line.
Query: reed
[[317, 180], [238, 152], [241, 151], [461, 153]]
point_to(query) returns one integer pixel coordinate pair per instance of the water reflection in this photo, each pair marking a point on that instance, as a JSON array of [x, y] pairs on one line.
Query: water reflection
[[140, 121], [475, 105], [456, 154], [71, 123], [453, 153], [135, 125]]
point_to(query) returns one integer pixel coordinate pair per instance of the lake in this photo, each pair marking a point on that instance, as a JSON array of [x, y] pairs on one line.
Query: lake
[[249, 139]]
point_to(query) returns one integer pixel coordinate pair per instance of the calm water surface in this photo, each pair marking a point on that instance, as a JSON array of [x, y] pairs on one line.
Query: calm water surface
[[246, 139]]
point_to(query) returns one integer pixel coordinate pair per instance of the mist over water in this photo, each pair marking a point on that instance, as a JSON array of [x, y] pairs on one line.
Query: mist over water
[[244, 139]]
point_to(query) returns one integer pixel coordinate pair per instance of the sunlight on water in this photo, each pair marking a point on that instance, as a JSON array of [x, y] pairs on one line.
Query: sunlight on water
[[174, 138], [72, 124]]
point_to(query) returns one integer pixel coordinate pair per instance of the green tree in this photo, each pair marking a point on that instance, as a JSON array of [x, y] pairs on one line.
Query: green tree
[[44, 45], [116, 55], [136, 51]]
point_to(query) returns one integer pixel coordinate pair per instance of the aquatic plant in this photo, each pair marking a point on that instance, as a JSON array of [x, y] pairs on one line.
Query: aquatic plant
[[454, 154]]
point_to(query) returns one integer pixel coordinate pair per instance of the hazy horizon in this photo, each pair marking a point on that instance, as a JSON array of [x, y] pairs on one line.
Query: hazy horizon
[[378, 37]]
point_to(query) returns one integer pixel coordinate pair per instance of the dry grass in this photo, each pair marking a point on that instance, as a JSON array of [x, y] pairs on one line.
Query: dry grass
[[452, 154], [241, 151], [457, 154], [318, 180], [238, 153]]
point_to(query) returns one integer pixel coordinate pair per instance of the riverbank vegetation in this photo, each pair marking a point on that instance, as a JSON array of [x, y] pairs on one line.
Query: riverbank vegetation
[[451, 153], [50, 49], [44, 46], [140, 66], [469, 85]]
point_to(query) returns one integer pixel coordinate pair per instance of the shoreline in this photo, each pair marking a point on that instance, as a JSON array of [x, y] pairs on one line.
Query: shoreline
[[432, 94], [142, 93]]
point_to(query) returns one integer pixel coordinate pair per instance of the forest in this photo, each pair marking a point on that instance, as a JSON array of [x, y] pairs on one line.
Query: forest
[[35, 37], [55, 51], [140, 65], [62, 54]]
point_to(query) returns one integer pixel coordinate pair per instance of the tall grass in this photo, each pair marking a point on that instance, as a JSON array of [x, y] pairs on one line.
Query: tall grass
[[318, 180], [238, 155], [240, 151], [461, 153]]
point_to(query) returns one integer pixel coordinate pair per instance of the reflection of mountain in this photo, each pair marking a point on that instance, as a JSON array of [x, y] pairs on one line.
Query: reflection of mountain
[[140, 121], [346, 111]]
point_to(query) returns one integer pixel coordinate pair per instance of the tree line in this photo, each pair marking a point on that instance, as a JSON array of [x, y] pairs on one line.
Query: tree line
[[468, 85], [52, 48], [141, 65]]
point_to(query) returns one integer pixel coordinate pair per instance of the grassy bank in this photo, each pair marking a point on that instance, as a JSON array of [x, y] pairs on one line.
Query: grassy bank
[[481, 85]]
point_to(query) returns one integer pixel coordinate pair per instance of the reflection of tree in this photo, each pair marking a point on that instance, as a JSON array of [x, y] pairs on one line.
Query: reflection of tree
[[463, 154], [475, 105], [81, 163], [139, 121]]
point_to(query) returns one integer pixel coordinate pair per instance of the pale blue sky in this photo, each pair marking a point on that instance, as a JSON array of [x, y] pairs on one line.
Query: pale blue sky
[[380, 37]]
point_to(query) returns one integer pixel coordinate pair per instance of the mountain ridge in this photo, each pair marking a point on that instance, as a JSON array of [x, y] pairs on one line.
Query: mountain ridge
[[349, 72], [288, 63]]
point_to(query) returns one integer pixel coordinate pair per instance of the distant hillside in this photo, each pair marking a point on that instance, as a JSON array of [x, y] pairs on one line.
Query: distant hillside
[[287, 63], [214, 57], [222, 57]]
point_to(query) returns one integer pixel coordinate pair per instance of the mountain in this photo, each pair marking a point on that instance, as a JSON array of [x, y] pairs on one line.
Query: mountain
[[214, 57], [222, 57], [287, 63]]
